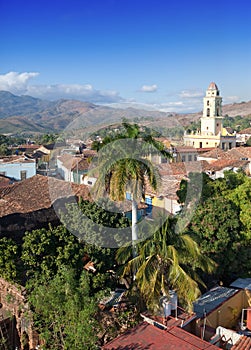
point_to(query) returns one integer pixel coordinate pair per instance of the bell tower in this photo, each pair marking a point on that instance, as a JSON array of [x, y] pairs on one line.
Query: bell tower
[[211, 121]]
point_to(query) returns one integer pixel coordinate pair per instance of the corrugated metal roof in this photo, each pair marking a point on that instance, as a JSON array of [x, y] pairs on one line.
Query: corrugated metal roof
[[212, 299], [242, 283]]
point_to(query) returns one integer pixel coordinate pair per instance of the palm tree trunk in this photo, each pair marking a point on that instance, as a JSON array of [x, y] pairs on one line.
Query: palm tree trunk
[[134, 232], [134, 221]]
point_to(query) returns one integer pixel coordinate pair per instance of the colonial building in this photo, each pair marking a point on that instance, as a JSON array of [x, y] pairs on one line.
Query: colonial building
[[212, 133]]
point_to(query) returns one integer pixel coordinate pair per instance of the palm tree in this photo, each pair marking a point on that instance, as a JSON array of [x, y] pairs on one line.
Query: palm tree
[[166, 261], [123, 167]]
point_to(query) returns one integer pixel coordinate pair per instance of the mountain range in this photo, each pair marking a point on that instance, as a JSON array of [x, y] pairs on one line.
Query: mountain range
[[26, 114]]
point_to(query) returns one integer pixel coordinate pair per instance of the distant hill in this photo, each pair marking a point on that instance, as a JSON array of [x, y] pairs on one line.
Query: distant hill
[[26, 114]]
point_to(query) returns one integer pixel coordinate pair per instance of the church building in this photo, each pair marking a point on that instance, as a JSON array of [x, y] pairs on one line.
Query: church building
[[212, 133]]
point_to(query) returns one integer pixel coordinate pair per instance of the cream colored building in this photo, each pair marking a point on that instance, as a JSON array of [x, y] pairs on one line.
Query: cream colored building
[[212, 133]]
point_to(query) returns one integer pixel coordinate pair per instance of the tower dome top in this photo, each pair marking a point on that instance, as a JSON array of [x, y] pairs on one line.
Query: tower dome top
[[212, 86]]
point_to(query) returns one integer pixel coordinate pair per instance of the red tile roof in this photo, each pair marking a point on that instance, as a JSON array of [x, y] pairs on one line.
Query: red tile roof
[[36, 193], [146, 336], [6, 181], [213, 153], [181, 168], [245, 131], [234, 153], [221, 164], [244, 343], [186, 149], [16, 159], [72, 162]]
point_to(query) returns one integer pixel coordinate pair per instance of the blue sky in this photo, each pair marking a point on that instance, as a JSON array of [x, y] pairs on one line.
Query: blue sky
[[148, 54]]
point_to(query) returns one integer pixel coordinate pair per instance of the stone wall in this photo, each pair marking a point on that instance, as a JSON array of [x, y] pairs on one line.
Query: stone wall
[[14, 306]]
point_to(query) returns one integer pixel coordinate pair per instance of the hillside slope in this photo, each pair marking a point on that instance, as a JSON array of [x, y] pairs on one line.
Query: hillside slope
[[28, 114]]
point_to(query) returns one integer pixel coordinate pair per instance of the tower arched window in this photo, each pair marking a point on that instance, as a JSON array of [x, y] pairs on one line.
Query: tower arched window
[[208, 112], [218, 111], [207, 102]]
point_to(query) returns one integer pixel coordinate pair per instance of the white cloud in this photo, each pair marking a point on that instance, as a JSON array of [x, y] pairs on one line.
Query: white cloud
[[191, 94], [18, 83], [231, 99], [149, 88]]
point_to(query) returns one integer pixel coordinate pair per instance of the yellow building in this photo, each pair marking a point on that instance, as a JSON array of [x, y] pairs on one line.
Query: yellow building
[[212, 133]]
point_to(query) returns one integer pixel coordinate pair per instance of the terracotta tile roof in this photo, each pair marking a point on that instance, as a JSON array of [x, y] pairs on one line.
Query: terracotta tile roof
[[73, 162], [244, 151], [186, 149], [206, 149], [89, 152], [15, 159], [83, 164], [170, 321], [234, 153], [6, 181], [27, 147], [36, 193], [244, 343], [168, 186], [245, 131], [147, 336], [221, 164], [171, 175], [181, 168], [214, 153]]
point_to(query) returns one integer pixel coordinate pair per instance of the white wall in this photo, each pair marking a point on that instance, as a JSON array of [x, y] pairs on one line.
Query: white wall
[[63, 171], [172, 205], [14, 169]]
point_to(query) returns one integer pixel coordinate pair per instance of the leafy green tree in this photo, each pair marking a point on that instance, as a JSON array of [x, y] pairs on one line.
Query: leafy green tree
[[198, 187], [166, 261], [45, 250], [64, 312], [8, 259], [91, 222], [216, 226], [241, 197], [4, 150]]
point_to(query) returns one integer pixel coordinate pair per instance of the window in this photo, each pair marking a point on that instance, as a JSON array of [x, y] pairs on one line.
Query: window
[[148, 200], [230, 145], [183, 158], [195, 158], [189, 157], [128, 196], [23, 174], [208, 112], [207, 103]]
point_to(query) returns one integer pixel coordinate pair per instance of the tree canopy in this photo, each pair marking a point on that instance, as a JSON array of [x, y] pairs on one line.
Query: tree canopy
[[64, 311]]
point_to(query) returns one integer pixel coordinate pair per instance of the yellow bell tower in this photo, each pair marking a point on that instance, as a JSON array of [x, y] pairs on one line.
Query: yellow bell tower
[[211, 134], [211, 121]]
